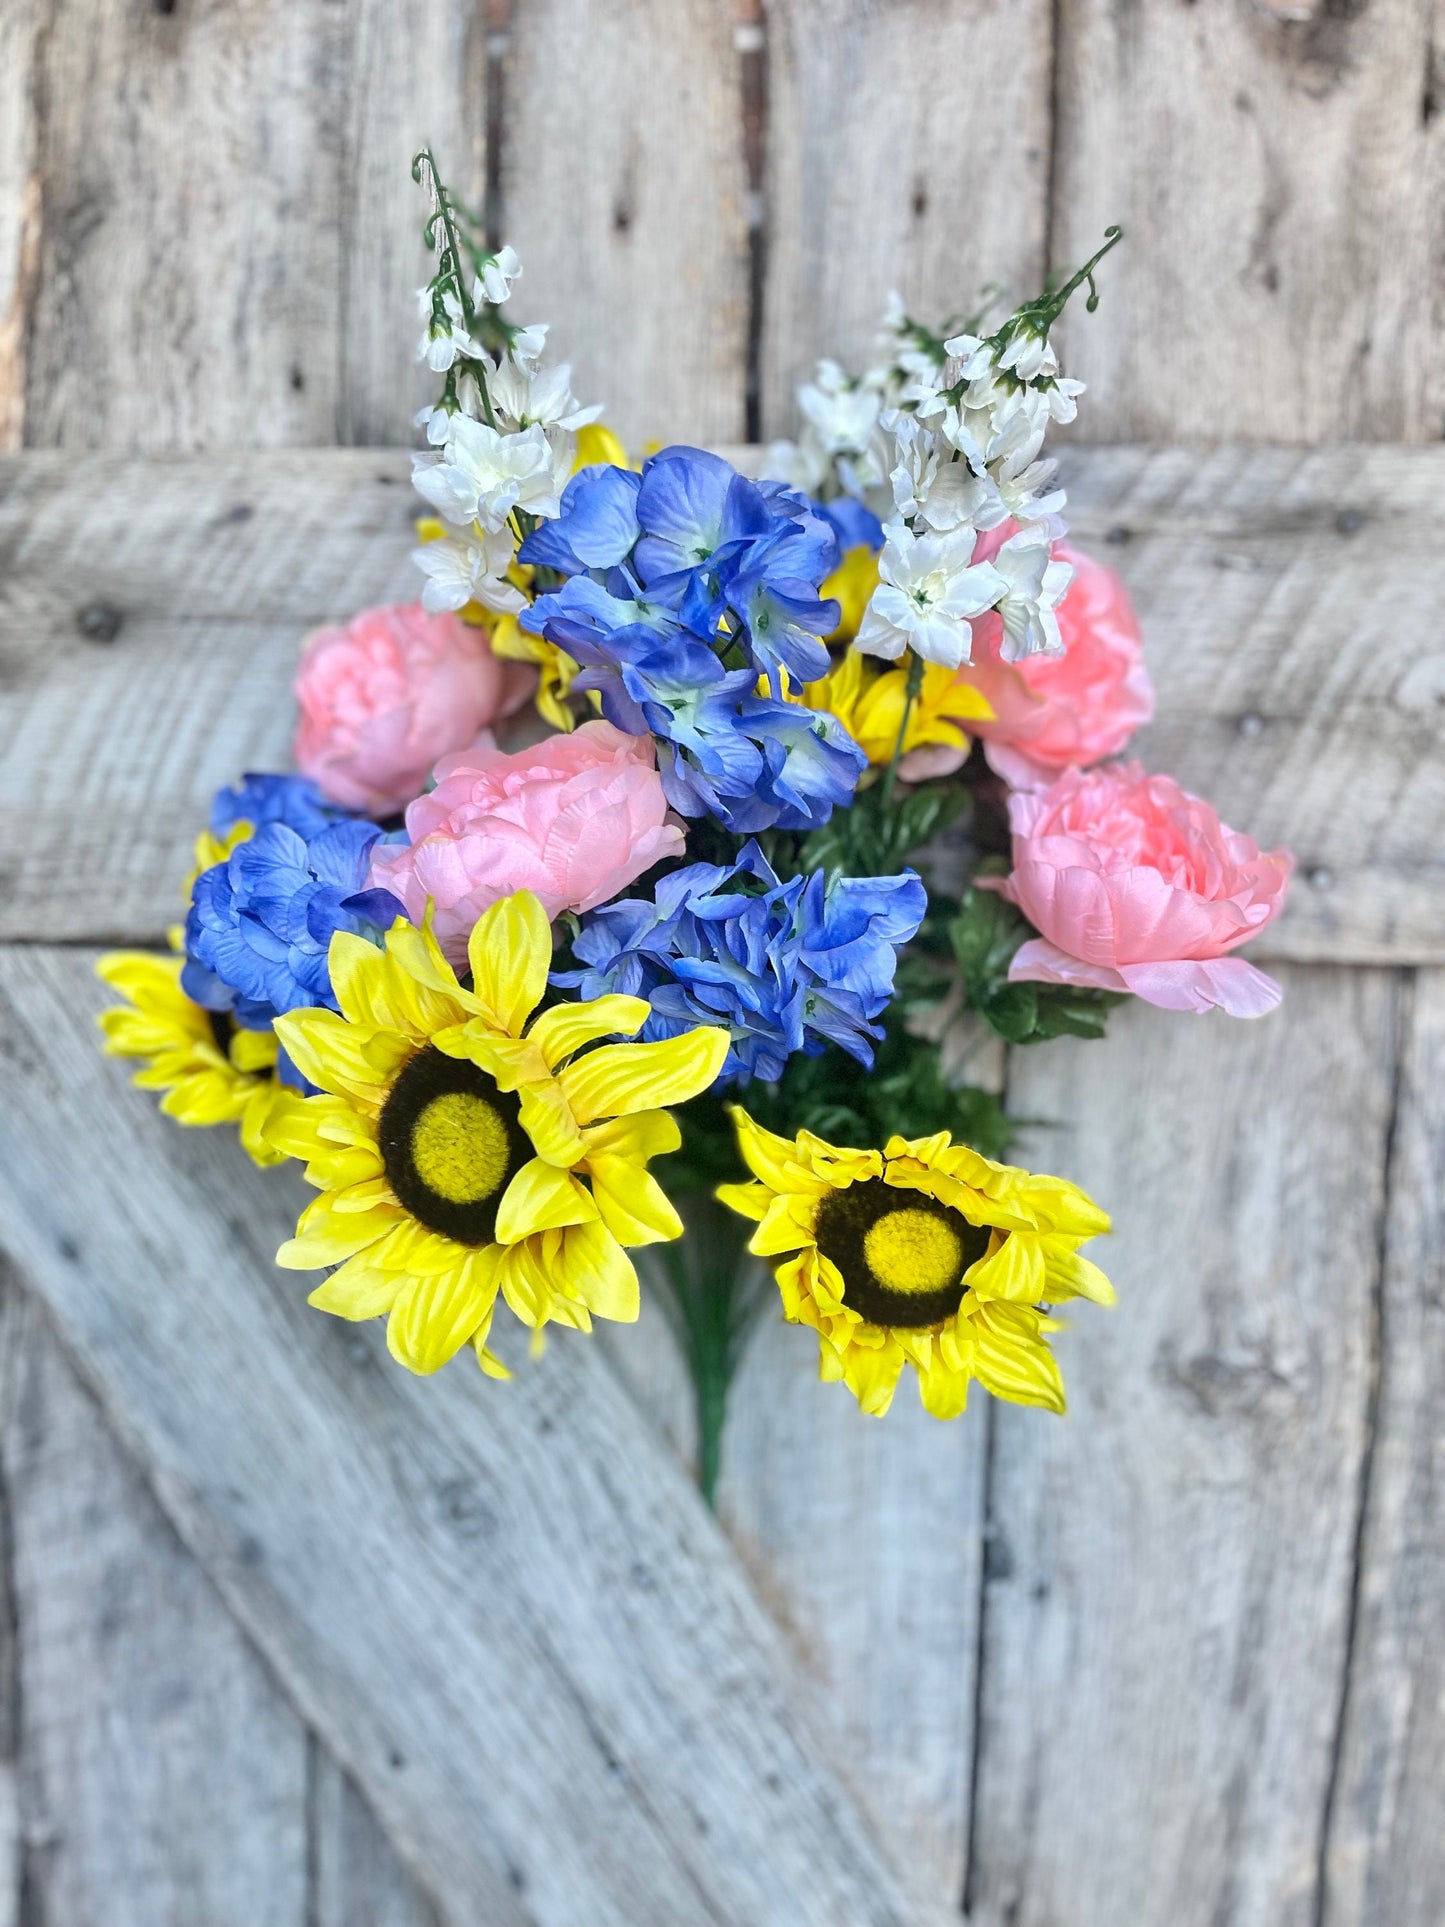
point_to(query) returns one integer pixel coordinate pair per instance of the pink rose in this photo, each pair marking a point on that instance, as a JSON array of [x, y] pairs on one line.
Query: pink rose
[[1136, 885], [573, 819], [387, 695], [1056, 712]]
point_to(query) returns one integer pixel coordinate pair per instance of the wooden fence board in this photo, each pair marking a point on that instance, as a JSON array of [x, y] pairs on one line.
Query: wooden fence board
[[1288, 598], [488, 1625], [358, 1879], [908, 149], [1166, 1620], [20, 23], [865, 1538], [1278, 168], [623, 190], [417, 74], [1386, 1849], [189, 268], [163, 1773]]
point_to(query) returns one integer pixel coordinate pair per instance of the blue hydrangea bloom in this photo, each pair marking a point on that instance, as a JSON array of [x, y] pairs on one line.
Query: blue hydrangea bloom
[[261, 922], [853, 522], [786, 966], [686, 586], [261, 798]]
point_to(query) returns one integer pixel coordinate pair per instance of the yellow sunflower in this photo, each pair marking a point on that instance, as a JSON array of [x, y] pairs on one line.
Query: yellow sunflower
[[869, 699], [924, 1253], [462, 1151], [212, 1072]]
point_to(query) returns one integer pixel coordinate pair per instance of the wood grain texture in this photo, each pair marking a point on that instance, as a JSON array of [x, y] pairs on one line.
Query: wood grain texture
[[20, 32], [908, 149], [506, 1615], [417, 75], [1278, 167], [190, 278], [1288, 597], [624, 193], [1386, 1855], [358, 1881], [163, 1774], [865, 1539], [1167, 1614]]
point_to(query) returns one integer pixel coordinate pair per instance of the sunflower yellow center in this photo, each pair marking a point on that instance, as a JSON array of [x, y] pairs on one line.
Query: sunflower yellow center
[[460, 1147], [913, 1251]]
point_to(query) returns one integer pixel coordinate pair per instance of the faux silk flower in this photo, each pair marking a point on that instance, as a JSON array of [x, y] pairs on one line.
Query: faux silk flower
[[387, 695], [1055, 712], [1135, 885], [574, 819]]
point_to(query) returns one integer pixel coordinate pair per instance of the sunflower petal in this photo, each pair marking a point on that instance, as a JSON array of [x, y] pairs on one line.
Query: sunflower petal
[[643, 1135], [541, 1198], [621, 1078], [1011, 1359], [634, 1206], [510, 951], [594, 1269], [510, 1061], [434, 1317], [358, 1289], [567, 1027]]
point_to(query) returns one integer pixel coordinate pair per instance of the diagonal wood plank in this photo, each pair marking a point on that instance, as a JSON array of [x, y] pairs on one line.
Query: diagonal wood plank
[[163, 1774], [1169, 1596], [507, 1615], [1385, 1861], [623, 191], [1288, 598], [1278, 170], [907, 149]]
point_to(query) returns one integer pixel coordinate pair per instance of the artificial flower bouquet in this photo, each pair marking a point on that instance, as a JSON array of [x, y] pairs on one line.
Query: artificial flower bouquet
[[703, 821]]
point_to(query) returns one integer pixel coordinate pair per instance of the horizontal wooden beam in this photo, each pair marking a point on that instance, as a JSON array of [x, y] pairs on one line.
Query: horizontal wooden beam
[[502, 1607], [150, 613]]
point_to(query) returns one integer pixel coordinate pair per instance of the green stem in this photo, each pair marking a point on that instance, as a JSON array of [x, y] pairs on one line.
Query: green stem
[[915, 683], [452, 251]]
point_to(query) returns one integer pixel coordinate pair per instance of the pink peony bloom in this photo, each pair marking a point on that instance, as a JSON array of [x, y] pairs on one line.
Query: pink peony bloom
[[574, 819], [1056, 712], [387, 695], [1136, 885]]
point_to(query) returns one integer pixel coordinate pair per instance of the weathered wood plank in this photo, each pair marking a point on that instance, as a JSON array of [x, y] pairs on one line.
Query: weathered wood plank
[[623, 190], [20, 26], [1385, 1861], [1290, 602], [163, 1774], [358, 1879], [417, 74], [189, 291], [496, 1607], [865, 1538], [1288, 598], [1168, 1603], [1278, 169], [908, 148]]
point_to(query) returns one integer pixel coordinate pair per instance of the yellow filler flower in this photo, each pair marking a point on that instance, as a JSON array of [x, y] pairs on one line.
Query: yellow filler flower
[[461, 1151], [211, 1071], [924, 1253], [869, 701]]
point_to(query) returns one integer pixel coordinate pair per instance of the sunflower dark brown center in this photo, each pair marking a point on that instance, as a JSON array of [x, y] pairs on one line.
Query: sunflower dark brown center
[[451, 1143], [902, 1254]]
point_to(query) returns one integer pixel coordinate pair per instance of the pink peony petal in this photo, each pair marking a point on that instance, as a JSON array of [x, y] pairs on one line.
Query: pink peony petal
[[1224, 983]]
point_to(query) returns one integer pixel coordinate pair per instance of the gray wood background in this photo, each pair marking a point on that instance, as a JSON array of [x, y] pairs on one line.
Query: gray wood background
[[287, 1640]]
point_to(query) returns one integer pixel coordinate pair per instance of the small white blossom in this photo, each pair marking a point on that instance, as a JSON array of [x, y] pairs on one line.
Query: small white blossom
[[482, 475], [527, 396], [842, 414], [462, 569], [529, 344], [500, 273], [439, 350], [1035, 585], [929, 588], [801, 464]]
